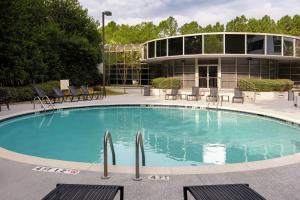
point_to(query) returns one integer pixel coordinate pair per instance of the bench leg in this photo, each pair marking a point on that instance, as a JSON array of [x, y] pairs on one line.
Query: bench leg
[[122, 193], [185, 193]]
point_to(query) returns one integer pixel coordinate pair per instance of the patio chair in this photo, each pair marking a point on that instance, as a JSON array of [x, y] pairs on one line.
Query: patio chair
[[173, 94], [213, 95], [74, 93], [85, 192], [222, 192], [4, 97], [99, 92], [59, 95], [85, 93], [41, 95], [238, 94], [195, 94]]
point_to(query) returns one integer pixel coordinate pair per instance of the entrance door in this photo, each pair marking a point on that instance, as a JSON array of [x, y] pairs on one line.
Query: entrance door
[[208, 76]]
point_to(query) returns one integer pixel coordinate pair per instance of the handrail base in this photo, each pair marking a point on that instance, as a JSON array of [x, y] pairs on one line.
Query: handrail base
[[137, 179], [105, 177]]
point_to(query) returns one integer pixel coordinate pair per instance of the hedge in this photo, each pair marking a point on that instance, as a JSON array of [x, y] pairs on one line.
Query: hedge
[[266, 85], [26, 93], [166, 83]]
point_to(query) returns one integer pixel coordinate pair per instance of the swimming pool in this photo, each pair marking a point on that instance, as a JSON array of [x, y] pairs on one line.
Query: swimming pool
[[173, 136]]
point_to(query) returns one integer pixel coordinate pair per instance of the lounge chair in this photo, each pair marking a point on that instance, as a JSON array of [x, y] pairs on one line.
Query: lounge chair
[[213, 95], [4, 97], [41, 95], [238, 94], [74, 93], [59, 95], [99, 92], [195, 94], [173, 94], [85, 93], [85, 192], [222, 192]]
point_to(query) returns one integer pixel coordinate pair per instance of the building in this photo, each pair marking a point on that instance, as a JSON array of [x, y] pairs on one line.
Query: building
[[123, 65], [221, 59]]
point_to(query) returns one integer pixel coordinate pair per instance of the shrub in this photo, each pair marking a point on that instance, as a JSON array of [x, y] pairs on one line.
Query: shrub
[[166, 83], [26, 93], [266, 85]]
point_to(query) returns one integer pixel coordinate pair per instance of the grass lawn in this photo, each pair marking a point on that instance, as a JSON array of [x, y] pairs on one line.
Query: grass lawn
[[111, 92]]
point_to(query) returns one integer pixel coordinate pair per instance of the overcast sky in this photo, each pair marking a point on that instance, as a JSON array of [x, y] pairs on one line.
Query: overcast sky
[[202, 11]]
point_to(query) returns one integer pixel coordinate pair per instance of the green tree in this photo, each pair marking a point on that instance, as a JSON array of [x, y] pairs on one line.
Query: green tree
[[168, 27], [239, 24], [189, 28], [50, 39]]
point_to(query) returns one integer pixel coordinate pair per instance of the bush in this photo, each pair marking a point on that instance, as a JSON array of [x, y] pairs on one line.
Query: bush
[[166, 83], [266, 85], [26, 93]]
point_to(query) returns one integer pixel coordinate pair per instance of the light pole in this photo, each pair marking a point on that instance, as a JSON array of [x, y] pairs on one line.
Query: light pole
[[105, 13]]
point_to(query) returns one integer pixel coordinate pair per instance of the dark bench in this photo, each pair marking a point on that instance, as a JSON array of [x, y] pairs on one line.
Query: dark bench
[[85, 192], [222, 192]]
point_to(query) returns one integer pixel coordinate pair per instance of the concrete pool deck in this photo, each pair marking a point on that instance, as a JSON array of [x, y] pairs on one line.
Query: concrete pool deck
[[279, 182]]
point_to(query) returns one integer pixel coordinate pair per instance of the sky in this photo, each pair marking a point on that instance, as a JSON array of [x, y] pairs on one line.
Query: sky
[[203, 11]]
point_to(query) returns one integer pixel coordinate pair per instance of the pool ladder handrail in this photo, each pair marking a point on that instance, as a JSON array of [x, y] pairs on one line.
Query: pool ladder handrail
[[47, 100], [107, 137], [139, 143]]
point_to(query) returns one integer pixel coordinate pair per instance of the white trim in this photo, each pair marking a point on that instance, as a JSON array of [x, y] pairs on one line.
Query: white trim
[[220, 33]]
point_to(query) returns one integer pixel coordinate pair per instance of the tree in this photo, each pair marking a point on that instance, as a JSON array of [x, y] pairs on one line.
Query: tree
[[285, 25], [214, 28], [168, 27], [239, 24], [44, 40], [189, 28]]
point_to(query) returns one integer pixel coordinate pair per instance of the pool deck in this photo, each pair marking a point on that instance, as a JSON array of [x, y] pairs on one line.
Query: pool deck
[[19, 181]]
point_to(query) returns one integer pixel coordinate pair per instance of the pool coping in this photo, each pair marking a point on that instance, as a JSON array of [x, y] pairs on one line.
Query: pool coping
[[206, 169]]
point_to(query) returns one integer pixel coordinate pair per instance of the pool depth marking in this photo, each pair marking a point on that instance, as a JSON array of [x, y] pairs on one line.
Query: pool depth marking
[[56, 170]]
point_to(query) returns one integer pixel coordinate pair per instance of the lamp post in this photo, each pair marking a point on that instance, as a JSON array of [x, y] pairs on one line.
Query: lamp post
[[105, 13]]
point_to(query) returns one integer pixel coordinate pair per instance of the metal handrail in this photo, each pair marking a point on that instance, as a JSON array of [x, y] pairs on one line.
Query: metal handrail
[[47, 100], [38, 98], [107, 137], [139, 143]]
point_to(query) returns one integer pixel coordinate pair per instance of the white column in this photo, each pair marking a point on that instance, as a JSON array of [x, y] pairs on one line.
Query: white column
[[167, 47], [265, 45], [223, 43], [282, 45], [196, 73], [183, 44], [219, 73], [294, 42], [155, 49]]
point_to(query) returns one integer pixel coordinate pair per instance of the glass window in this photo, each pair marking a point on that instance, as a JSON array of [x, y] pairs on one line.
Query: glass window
[[175, 46], [235, 44], [145, 51], [193, 45], [255, 44], [298, 48], [288, 46], [213, 44], [161, 48], [151, 49], [273, 45]]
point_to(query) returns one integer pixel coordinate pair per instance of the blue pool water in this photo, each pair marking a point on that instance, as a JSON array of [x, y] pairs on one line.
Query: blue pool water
[[172, 136]]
